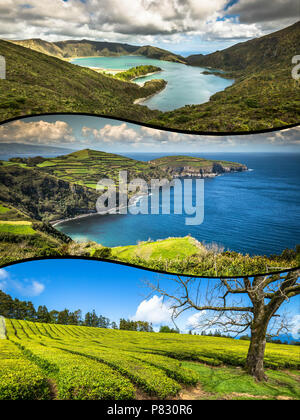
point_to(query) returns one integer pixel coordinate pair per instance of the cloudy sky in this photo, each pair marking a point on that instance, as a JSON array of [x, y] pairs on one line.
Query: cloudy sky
[[80, 132], [87, 285], [179, 25]]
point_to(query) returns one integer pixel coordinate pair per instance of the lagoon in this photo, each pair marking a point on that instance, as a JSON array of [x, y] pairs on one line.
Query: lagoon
[[187, 85]]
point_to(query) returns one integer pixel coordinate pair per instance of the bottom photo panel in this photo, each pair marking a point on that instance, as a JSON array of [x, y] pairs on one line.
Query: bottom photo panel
[[75, 329]]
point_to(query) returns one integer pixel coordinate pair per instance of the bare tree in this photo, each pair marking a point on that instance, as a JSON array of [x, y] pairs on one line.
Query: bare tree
[[236, 305]]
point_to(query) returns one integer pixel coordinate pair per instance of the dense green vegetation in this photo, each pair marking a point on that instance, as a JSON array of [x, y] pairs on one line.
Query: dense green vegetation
[[20, 379], [136, 72], [87, 167], [263, 96], [38, 83], [42, 196], [85, 48], [95, 363], [188, 256]]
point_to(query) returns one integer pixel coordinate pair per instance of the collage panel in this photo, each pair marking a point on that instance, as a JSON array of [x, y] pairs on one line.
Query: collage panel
[[89, 330], [149, 203], [179, 203], [249, 86]]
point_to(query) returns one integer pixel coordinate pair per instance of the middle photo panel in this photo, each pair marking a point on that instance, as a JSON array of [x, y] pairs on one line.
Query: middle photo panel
[[76, 185]]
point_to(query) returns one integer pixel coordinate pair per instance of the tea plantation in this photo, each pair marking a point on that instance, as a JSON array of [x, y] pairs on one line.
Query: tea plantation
[[50, 361]]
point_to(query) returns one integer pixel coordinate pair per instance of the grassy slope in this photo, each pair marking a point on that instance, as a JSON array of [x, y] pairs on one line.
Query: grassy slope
[[179, 161], [87, 167], [151, 361], [264, 95], [38, 83], [188, 256], [42, 196]]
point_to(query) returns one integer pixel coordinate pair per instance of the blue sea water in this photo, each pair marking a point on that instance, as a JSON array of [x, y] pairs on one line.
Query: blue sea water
[[187, 85], [255, 212]]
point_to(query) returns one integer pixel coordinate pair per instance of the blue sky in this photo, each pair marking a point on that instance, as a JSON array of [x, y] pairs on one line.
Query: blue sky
[[80, 132], [113, 290]]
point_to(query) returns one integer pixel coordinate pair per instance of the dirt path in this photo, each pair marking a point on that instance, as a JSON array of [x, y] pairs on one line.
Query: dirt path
[[2, 328]]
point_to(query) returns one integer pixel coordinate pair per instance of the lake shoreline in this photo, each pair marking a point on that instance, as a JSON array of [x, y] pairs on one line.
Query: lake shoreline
[[173, 97]]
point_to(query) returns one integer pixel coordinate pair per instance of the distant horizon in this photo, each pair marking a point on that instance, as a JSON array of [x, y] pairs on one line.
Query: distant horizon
[[79, 132]]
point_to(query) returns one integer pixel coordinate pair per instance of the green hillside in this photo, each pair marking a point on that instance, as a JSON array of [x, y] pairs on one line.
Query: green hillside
[[263, 96], [39, 83], [47, 361], [87, 167], [85, 48]]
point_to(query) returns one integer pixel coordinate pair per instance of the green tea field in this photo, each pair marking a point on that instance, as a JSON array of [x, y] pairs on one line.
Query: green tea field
[[50, 361]]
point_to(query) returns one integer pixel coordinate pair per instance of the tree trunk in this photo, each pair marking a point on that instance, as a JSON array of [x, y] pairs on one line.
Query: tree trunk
[[256, 352]]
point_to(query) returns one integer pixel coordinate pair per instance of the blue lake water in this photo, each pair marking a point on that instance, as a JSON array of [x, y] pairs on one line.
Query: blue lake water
[[186, 84], [255, 212]]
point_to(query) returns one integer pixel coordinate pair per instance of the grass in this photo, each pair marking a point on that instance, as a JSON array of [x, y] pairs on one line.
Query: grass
[[262, 97], [17, 227], [4, 209], [170, 248], [38, 83], [225, 381], [93, 363], [87, 167], [188, 256]]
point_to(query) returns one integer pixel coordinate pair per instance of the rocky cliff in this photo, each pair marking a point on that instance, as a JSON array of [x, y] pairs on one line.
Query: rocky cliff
[[180, 166]]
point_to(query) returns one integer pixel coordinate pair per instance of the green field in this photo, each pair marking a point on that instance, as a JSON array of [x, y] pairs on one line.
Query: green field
[[4, 209], [188, 256], [17, 228], [87, 167], [92, 363]]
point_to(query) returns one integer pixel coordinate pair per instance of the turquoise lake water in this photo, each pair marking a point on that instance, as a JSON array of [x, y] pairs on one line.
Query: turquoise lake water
[[187, 85]]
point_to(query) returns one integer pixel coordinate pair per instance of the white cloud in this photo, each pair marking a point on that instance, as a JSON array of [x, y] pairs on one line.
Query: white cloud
[[28, 288], [153, 310], [4, 276], [116, 133], [296, 327], [36, 132], [194, 320], [142, 21]]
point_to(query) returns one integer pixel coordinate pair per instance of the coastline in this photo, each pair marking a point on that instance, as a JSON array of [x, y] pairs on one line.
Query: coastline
[[94, 213], [139, 101]]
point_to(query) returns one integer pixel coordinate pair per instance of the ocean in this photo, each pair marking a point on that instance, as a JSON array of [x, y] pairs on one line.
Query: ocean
[[255, 212]]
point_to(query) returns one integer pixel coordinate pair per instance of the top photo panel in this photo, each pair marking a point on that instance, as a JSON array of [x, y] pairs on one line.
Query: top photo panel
[[207, 67]]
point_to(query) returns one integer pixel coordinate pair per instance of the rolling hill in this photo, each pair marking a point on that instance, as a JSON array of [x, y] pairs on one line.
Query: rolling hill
[[273, 50], [85, 48], [38, 83], [264, 95]]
